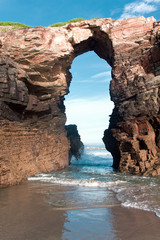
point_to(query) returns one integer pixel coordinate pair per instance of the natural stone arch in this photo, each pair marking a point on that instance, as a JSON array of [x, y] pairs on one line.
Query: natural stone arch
[[35, 77]]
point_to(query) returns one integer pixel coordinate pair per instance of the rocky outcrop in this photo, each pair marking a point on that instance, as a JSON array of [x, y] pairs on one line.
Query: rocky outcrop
[[76, 146], [35, 77], [134, 131], [32, 133]]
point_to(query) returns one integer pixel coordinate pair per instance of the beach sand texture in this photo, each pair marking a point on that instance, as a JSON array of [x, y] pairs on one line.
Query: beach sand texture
[[25, 214]]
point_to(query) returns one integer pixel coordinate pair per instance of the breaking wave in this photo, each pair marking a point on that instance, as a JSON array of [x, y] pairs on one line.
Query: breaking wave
[[94, 170]]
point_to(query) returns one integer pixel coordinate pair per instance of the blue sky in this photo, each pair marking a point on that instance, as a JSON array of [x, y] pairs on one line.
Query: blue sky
[[44, 13], [88, 104]]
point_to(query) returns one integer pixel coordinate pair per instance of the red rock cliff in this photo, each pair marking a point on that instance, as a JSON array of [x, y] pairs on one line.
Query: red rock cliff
[[35, 77]]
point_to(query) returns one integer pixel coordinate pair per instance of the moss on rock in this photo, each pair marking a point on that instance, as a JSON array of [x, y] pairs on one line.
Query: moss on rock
[[64, 23]]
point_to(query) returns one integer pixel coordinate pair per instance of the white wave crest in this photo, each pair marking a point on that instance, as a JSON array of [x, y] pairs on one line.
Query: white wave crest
[[142, 206], [74, 182], [99, 153]]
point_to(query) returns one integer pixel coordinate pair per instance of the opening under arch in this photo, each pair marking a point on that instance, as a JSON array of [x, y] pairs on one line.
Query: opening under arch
[[88, 104]]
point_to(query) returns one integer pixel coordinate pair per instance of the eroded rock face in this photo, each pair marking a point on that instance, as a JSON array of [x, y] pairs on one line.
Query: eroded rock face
[[35, 77], [76, 145], [133, 135]]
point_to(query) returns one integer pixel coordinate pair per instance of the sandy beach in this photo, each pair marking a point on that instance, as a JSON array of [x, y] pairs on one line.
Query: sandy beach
[[27, 215]]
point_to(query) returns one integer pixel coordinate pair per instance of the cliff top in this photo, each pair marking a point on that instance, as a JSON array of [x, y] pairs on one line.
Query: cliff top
[[5, 26]]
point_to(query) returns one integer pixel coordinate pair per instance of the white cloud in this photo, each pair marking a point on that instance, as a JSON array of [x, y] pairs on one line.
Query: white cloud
[[102, 74], [85, 81], [136, 8], [140, 7], [91, 115], [152, 1], [99, 77], [127, 15]]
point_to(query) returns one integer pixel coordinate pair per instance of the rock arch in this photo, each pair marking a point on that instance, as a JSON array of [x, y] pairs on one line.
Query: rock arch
[[35, 77]]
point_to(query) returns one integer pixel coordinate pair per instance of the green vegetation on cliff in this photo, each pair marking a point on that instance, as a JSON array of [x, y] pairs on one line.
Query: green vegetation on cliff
[[4, 26], [64, 23]]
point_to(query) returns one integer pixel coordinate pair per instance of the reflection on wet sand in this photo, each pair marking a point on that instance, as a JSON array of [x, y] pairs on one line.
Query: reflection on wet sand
[[25, 216], [44, 211], [134, 224]]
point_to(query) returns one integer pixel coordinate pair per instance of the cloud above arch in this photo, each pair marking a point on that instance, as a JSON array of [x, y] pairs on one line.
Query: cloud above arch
[[139, 8]]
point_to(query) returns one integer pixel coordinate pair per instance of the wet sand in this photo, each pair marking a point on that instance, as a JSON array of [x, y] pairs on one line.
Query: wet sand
[[135, 224], [26, 213]]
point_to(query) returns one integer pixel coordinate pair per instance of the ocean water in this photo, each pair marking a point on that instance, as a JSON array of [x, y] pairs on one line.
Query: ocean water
[[100, 186]]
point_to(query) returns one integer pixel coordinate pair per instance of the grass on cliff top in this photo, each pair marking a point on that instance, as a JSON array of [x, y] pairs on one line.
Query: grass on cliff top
[[64, 23], [14, 25]]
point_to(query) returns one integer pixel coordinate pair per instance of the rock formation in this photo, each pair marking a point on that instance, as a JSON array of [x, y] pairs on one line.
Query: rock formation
[[76, 146], [35, 77]]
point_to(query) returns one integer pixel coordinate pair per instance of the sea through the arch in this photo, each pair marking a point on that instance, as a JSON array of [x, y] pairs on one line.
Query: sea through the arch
[[101, 185]]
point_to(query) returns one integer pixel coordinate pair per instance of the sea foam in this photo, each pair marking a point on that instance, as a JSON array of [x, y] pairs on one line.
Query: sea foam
[[94, 170], [91, 182]]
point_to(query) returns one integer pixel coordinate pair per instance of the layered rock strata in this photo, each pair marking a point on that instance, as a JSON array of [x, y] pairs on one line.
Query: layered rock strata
[[35, 77], [133, 136]]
